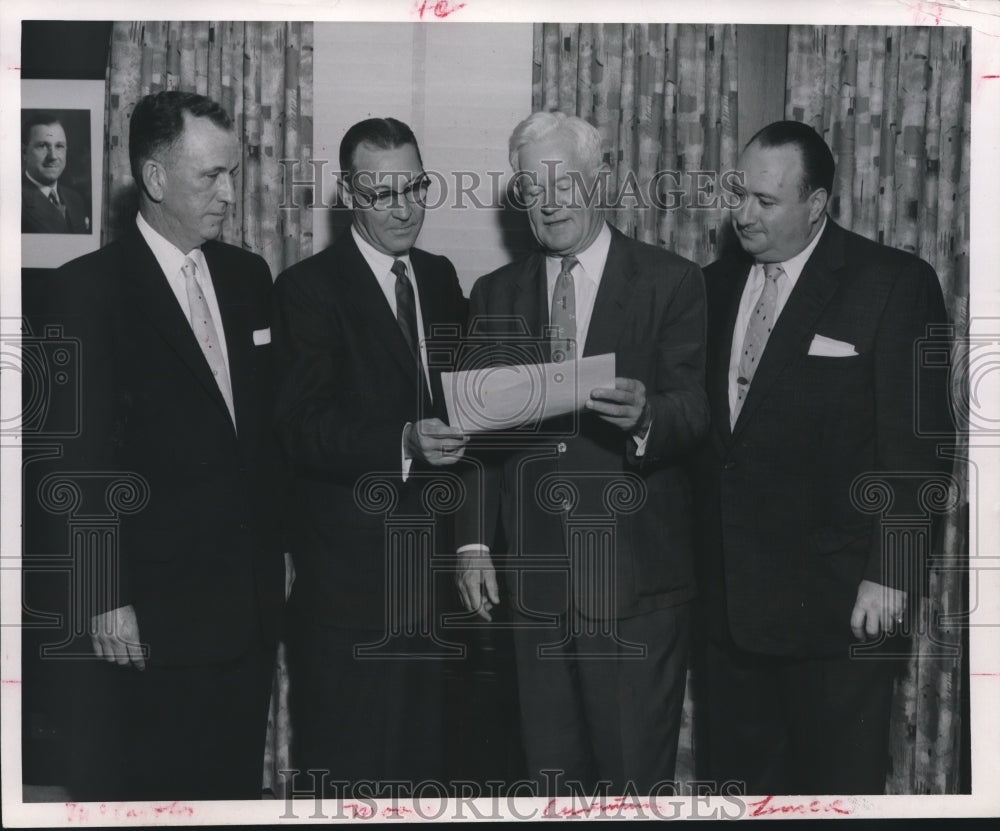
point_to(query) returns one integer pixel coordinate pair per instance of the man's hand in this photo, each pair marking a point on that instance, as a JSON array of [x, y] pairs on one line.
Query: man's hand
[[624, 406], [877, 609], [434, 441], [115, 636], [477, 582]]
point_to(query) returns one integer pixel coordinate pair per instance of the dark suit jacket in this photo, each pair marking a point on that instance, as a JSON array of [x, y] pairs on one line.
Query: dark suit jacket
[[40, 216], [202, 561], [349, 384], [785, 547], [649, 311]]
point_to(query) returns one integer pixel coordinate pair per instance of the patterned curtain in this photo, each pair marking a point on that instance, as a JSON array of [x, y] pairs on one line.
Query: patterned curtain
[[664, 98], [262, 74], [893, 103]]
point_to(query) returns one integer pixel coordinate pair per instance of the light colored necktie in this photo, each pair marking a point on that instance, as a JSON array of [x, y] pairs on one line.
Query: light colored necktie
[[758, 330], [206, 333], [563, 315]]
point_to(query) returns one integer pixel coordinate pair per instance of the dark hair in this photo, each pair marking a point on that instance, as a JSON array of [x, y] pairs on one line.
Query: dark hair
[[384, 133], [40, 118], [817, 160], [158, 121]]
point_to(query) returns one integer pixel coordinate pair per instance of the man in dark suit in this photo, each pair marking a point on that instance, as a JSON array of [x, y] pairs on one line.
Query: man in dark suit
[[176, 390], [354, 328], [795, 568], [602, 680], [46, 206]]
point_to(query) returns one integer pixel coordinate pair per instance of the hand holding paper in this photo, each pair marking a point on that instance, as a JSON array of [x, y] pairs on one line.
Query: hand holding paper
[[623, 406], [506, 397]]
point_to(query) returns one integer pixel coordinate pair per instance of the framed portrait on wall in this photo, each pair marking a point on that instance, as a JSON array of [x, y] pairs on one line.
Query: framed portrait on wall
[[61, 170]]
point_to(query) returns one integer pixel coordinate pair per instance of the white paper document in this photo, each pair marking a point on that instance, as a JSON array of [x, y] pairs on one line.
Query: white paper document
[[506, 397]]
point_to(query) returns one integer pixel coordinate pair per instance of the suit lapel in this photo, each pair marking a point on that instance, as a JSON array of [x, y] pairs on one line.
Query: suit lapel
[[797, 322], [530, 305], [365, 294], [607, 321], [237, 327], [152, 295], [729, 303]]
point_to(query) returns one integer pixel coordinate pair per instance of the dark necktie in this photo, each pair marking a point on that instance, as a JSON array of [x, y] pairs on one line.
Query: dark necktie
[[54, 199], [758, 331], [406, 307], [562, 318]]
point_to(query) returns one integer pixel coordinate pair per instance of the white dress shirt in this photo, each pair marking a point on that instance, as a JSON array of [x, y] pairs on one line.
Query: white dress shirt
[[748, 302], [381, 266], [586, 281], [171, 260]]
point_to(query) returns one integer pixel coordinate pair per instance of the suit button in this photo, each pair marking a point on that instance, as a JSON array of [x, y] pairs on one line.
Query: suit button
[[729, 465], [561, 447]]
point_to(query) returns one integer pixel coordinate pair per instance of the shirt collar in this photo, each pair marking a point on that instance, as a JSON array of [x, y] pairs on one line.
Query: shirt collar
[[168, 255], [379, 262], [793, 265], [593, 258], [46, 189]]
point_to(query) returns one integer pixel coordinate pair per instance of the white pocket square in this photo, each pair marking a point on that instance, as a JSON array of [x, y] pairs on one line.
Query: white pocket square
[[830, 348], [262, 337]]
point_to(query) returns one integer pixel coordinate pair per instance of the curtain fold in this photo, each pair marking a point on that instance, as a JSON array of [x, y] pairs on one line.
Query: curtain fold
[[663, 97], [894, 105], [261, 73]]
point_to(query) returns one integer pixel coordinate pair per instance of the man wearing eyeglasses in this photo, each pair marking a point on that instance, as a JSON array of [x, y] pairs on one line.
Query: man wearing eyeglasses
[[360, 413]]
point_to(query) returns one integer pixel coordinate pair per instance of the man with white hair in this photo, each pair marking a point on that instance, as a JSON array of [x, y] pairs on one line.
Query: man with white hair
[[602, 624]]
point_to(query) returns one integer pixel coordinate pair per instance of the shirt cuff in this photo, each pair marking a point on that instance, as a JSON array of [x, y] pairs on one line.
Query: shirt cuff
[[472, 547], [640, 442], [407, 462]]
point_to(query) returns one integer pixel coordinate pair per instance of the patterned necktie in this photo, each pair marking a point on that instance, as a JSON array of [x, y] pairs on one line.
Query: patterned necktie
[[206, 333], [54, 199], [563, 316], [758, 330]]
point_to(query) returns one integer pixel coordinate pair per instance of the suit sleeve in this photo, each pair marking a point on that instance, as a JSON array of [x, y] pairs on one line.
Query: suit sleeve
[[324, 425], [902, 388], [86, 311], [677, 400]]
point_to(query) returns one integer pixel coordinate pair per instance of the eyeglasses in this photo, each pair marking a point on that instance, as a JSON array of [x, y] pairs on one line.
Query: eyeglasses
[[529, 192], [386, 199]]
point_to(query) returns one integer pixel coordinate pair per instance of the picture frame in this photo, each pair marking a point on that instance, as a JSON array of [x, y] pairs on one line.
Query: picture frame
[[79, 106]]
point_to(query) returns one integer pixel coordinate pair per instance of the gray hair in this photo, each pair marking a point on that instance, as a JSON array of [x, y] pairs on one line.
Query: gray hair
[[540, 126]]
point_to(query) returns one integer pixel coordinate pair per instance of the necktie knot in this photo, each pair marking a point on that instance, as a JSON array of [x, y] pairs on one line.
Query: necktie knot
[[568, 264], [399, 269], [772, 271]]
